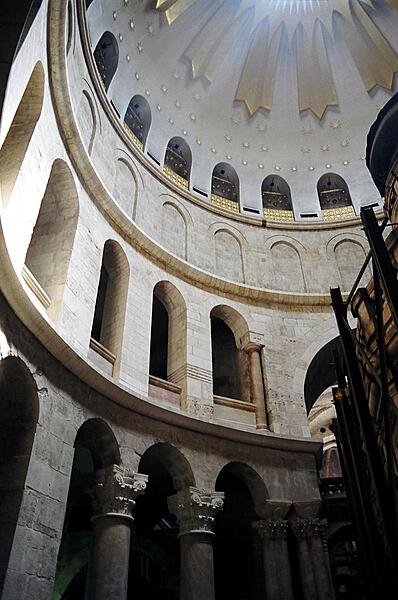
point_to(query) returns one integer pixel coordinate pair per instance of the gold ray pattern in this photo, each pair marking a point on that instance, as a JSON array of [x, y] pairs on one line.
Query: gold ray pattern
[[257, 29], [257, 92], [315, 84]]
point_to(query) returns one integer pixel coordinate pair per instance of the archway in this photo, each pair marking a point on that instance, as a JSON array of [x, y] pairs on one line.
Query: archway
[[15, 145], [230, 361], [138, 120], [225, 187], [178, 161], [106, 56], [95, 448], [334, 197], [276, 199], [156, 547], [19, 413], [237, 574], [51, 245], [110, 306], [168, 351]]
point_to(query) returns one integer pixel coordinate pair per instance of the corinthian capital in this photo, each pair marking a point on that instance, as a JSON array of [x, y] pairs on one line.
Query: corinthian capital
[[116, 490], [195, 509], [271, 528], [305, 528]]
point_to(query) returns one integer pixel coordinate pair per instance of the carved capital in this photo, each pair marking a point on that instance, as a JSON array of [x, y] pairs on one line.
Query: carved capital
[[252, 347], [196, 509], [116, 490], [271, 528], [306, 528]]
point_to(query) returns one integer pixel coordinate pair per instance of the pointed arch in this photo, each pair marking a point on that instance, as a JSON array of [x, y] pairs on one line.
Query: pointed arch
[[15, 145], [51, 244], [106, 56], [225, 187], [137, 120], [178, 161]]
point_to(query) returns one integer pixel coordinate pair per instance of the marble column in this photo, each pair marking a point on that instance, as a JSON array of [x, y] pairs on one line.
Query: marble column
[[313, 561], [257, 392], [115, 492], [278, 580], [195, 511]]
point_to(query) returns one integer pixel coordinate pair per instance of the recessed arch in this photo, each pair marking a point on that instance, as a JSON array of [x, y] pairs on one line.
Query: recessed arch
[[106, 56], [178, 161], [225, 190], [233, 547], [276, 199], [228, 250], [168, 351], [288, 273], [110, 307], [253, 481], [321, 372], [15, 145], [138, 120], [95, 448], [50, 249], [172, 460], [19, 414], [97, 437], [334, 197], [229, 331]]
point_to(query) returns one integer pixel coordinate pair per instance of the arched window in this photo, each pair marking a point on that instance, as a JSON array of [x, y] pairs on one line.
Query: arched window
[[137, 120], [225, 187], [50, 248], [276, 198], [110, 306], [106, 56], [230, 363], [334, 197], [20, 132], [178, 161], [168, 352]]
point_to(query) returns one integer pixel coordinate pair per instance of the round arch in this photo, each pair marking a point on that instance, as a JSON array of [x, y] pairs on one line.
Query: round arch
[[172, 460], [138, 119], [106, 56], [225, 186], [97, 437], [178, 159]]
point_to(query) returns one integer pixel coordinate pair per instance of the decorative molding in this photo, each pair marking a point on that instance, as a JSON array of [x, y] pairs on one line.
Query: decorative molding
[[196, 509], [35, 287], [271, 528], [307, 528], [115, 491]]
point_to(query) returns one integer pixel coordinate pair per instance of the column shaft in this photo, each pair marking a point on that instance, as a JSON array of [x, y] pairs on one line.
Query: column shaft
[[109, 561], [257, 393], [197, 568]]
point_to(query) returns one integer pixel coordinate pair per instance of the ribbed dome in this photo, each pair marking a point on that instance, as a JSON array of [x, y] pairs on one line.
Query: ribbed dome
[[275, 86]]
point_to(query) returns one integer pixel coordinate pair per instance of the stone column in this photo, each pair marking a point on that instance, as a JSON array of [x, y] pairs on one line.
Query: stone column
[[313, 562], [257, 392], [115, 492], [278, 581], [195, 511]]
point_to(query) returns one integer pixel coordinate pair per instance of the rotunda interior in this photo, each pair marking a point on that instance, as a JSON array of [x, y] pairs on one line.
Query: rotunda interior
[[198, 357]]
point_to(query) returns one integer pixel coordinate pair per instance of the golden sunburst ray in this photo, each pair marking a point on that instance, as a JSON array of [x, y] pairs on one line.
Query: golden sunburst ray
[[305, 23], [257, 91]]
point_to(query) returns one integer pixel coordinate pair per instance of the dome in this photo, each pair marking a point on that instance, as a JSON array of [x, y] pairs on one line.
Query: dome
[[268, 87], [181, 183]]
